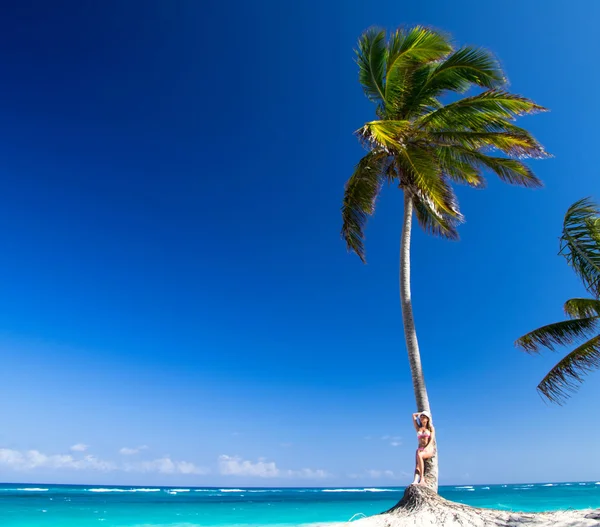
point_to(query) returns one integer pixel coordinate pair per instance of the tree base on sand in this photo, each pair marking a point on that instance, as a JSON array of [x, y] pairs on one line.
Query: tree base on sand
[[421, 507]]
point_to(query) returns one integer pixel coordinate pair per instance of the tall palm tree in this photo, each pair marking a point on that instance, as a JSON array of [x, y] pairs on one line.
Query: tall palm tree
[[580, 245], [423, 145]]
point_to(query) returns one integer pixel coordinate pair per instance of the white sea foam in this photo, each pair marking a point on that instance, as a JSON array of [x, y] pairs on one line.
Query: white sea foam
[[368, 489], [485, 488], [109, 490], [180, 490], [548, 485], [124, 490], [465, 487], [33, 490], [231, 490]]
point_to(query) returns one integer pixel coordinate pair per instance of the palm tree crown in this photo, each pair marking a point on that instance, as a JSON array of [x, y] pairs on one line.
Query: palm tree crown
[[424, 145], [580, 245]]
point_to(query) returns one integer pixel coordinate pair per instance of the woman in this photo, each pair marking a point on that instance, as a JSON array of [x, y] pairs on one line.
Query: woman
[[426, 439]]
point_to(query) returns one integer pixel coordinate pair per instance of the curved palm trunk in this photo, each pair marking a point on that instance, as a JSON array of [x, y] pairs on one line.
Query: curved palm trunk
[[410, 333]]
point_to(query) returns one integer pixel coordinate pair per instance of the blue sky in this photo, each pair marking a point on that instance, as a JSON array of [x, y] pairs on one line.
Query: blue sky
[[176, 304]]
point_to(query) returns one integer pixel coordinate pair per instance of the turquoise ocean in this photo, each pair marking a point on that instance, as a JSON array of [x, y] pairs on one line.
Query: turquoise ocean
[[24, 505]]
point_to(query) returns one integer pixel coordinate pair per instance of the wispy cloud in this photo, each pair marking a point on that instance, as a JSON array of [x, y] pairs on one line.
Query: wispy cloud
[[236, 466], [166, 465], [126, 451], [378, 474], [34, 459], [79, 447], [392, 440]]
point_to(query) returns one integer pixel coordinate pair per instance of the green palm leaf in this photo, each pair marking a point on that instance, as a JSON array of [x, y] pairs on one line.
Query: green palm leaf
[[564, 378], [465, 67], [580, 242], [582, 307], [407, 51], [492, 111], [561, 333], [435, 223], [387, 134], [508, 170], [459, 168], [462, 69], [520, 145], [371, 58], [420, 170], [360, 196]]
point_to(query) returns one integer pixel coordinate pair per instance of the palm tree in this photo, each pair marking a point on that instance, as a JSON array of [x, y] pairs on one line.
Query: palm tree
[[423, 145], [580, 245]]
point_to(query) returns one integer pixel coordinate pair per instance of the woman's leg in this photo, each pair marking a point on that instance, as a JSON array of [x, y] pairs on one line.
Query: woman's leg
[[423, 455], [418, 475]]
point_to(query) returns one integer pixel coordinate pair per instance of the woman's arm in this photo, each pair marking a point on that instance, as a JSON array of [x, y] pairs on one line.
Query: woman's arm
[[415, 422]]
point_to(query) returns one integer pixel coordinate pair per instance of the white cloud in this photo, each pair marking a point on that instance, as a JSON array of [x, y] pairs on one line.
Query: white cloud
[[79, 447], [34, 459], [236, 466], [165, 465], [309, 473], [126, 451]]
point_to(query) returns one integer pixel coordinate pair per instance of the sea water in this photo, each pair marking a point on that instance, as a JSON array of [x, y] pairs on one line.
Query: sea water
[[86, 506]]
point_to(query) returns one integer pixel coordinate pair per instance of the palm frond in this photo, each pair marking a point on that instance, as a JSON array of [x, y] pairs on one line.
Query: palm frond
[[508, 170], [459, 168], [433, 222], [519, 145], [564, 378], [384, 133], [360, 196], [466, 67], [582, 307], [477, 112], [580, 242], [561, 333], [371, 59], [407, 50], [421, 170]]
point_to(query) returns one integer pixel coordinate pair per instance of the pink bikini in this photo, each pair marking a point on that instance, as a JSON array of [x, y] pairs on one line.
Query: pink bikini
[[420, 435]]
